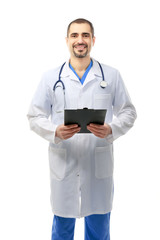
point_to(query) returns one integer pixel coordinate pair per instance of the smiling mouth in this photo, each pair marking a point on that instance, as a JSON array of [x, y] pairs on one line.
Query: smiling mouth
[[80, 47]]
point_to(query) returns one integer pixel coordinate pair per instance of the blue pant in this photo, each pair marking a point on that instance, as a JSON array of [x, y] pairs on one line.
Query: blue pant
[[97, 227]]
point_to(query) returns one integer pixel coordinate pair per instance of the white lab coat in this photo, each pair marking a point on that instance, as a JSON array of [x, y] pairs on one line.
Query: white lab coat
[[81, 168]]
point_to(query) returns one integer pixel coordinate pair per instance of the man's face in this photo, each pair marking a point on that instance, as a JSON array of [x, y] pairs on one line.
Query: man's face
[[80, 40]]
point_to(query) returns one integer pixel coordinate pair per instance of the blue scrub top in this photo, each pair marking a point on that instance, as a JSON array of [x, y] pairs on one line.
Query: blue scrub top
[[85, 74]]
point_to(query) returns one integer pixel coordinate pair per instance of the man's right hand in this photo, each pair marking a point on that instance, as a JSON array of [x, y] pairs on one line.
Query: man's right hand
[[65, 132]]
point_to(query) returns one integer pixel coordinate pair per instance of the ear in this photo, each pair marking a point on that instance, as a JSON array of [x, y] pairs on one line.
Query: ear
[[66, 38], [94, 39]]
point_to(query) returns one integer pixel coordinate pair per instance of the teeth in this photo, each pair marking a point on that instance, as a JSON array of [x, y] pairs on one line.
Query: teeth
[[80, 46]]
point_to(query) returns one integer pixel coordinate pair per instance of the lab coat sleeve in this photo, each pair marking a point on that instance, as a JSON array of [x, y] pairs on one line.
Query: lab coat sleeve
[[123, 110], [40, 111]]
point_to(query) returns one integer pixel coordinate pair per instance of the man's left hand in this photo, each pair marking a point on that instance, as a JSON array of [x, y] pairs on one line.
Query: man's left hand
[[100, 131]]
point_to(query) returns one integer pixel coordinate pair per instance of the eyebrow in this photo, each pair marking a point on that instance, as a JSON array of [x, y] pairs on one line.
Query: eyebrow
[[82, 33]]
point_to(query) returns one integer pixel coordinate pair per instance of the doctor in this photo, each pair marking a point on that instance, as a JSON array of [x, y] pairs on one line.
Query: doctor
[[81, 165]]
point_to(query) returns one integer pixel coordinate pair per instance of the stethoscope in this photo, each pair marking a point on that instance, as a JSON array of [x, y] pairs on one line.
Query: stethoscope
[[103, 83]]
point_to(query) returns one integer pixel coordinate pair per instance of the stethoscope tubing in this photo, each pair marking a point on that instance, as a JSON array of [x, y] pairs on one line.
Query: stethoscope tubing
[[60, 81], [101, 71]]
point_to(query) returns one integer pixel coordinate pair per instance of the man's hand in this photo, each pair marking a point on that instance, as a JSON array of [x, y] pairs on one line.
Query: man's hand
[[65, 132], [101, 131]]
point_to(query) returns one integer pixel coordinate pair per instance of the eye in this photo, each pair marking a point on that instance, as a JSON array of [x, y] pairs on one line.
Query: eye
[[74, 35], [86, 35]]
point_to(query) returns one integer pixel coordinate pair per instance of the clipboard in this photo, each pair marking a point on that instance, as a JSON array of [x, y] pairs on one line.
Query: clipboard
[[84, 117]]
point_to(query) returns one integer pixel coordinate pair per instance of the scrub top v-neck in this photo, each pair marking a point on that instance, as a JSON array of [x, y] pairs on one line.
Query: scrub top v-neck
[[85, 74]]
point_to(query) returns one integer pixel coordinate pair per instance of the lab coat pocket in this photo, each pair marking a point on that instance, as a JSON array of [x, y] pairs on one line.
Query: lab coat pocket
[[102, 101], [57, 162], [104, 161]]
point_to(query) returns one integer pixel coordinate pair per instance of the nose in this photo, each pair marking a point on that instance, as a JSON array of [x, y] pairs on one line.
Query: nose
[[80, 39]]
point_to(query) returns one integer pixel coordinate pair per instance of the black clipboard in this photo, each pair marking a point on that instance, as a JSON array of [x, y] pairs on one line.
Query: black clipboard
[[84, 117]]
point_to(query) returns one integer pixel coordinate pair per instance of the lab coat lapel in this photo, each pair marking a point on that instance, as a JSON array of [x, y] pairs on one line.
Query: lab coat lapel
[[67, 72], [93, 73]]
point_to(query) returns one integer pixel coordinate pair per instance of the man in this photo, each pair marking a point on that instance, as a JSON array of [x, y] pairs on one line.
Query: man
[[81, 165]]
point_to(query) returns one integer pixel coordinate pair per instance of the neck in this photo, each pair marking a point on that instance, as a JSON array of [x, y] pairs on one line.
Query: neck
[[80, 64]]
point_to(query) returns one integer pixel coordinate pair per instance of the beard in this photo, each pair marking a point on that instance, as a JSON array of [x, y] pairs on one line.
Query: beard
[[80, 54]]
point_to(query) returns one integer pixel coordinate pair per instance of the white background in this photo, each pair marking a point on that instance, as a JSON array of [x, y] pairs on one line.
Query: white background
[[33, 41]]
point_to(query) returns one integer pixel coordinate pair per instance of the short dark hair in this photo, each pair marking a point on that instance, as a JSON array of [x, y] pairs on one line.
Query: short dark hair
[[81, 20]]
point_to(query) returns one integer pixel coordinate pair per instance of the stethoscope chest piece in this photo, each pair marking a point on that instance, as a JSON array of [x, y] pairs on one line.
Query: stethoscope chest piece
[[103, 84]]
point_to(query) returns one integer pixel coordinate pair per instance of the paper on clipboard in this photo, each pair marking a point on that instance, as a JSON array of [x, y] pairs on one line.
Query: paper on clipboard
[[84, 117]]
